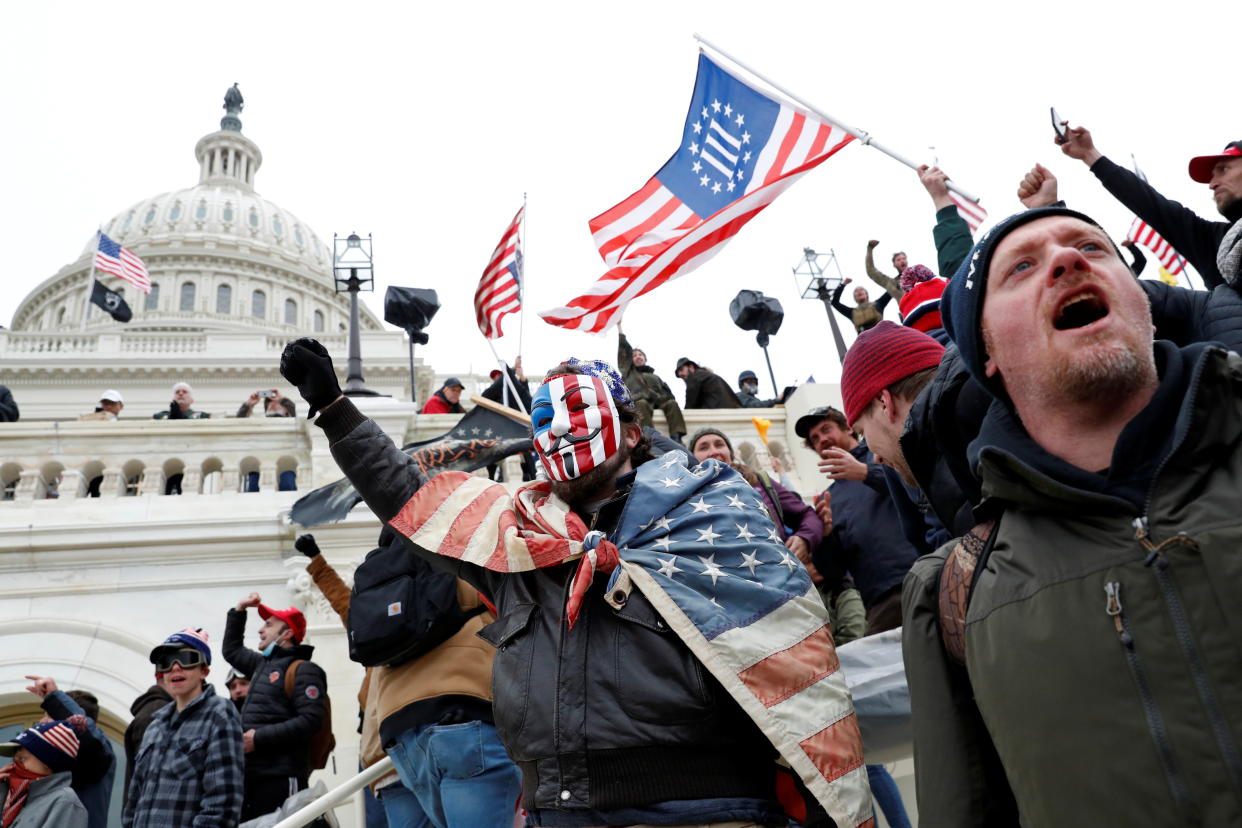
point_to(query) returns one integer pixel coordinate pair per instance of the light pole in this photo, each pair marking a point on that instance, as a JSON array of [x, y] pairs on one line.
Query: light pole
[[818, 286], [352, 271]]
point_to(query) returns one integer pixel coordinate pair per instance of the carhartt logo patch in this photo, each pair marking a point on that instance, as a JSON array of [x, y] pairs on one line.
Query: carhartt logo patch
[[394, 608], [273, 676]]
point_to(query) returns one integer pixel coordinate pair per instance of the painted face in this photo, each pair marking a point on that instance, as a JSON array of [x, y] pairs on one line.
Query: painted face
[[576, 425]]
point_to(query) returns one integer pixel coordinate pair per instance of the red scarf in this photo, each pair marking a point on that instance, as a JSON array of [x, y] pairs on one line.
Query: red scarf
[[19, 787]]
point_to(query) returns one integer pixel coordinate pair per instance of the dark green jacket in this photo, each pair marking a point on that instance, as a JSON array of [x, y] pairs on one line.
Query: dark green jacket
[[1103, 668], [953, 241], [643, 382]]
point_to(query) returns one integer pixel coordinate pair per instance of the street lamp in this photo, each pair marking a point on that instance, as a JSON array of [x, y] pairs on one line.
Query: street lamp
[[818, 286], [352, 271]]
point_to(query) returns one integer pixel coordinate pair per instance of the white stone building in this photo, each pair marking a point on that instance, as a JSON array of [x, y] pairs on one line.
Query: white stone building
[[88, 584]]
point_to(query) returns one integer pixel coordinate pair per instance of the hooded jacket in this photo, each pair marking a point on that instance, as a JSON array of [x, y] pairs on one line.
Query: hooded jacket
[[1102, 676], [50, 803], [706, 390], [142, 709], [283, 725]]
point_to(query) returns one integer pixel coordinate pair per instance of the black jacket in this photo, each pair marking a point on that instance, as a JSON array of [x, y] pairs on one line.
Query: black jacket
[[706, 390], [943, 421], [867, 539], [8, 406], [1185, 316], [1195, 238], [497, 390], [616, 713], [143, 708], [282, 725]]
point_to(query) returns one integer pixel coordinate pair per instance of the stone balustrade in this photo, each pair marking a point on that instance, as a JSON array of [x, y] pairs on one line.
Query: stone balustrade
[[113, 345]]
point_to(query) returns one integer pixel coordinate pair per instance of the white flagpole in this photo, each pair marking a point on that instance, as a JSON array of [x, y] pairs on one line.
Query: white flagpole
[[504, 373], [862, 135], [90, 282]]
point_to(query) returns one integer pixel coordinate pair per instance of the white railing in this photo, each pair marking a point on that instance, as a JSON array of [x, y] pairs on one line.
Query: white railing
[[336, 796]]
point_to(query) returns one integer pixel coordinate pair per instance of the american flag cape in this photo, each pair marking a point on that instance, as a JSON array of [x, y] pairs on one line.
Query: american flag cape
[[121, 262], [500, 288], [740, 149], [701, 548], [1142, 233]]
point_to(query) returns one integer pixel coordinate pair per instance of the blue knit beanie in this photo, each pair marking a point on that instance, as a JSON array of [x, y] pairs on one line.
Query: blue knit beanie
[[961, 306]]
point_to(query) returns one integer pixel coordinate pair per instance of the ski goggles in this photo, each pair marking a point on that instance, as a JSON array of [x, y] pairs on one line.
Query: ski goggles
[[187, 658]]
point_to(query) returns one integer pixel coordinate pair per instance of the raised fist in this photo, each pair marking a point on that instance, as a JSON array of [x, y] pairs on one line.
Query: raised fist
[[1038, 188], [306, 545], [308, 365]]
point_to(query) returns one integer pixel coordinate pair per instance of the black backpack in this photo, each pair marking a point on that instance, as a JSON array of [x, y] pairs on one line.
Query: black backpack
[[401, 607]]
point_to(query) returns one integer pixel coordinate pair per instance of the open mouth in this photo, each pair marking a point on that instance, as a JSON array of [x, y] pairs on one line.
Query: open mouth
[[1080, 310]]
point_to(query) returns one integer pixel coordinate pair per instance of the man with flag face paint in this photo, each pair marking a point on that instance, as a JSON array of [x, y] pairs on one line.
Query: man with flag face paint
[[612, 715]]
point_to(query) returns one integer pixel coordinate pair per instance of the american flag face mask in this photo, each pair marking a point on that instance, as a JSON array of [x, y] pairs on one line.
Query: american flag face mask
[[576, 425]]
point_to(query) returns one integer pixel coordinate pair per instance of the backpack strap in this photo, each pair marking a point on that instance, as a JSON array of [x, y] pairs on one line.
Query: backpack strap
[[957, 583], [291, 676], [776, 499]]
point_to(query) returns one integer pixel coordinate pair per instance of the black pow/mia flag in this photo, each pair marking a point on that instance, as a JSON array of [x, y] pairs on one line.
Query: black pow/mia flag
[[111, 301]]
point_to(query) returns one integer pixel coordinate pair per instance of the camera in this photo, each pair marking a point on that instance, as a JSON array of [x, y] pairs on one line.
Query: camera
[[268, 395]]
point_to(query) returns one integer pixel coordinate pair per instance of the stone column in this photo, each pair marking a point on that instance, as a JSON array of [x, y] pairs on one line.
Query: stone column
[[73, 484], [232, 481], [267, 477], [191, 481], [30, 486], [152, 482], [113, 484]]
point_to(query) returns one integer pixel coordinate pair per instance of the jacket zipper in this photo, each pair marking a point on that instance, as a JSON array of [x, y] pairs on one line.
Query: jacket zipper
[[1159, 564], [1151, 710]]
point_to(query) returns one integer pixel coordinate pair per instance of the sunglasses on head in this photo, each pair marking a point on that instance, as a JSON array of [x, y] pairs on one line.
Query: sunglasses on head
[[186, 658]]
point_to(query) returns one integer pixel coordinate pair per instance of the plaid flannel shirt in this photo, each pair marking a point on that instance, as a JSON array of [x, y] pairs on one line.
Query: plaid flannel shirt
[[189, 768]]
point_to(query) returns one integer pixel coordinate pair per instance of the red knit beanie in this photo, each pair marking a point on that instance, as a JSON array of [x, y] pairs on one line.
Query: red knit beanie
[[886, 354]]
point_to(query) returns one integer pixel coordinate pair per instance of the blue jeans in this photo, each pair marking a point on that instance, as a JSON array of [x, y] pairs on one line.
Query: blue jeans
[[401, 808], [459, 774], [885, 791]]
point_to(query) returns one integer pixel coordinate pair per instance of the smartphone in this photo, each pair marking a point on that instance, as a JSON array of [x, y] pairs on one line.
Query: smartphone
[[1057, 126], [268, 395]]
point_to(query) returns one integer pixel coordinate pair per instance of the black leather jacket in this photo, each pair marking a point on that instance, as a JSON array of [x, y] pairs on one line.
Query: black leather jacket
[[615, 713]]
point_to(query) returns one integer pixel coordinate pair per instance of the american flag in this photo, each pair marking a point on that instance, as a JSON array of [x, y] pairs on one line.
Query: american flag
[[110, 257], [740, 149], [500, 288], [702, 550], [1142, 233], [971, 211]]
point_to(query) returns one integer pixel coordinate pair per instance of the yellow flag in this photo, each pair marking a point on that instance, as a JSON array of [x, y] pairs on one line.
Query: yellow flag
[[762, 424], [1167, 277]]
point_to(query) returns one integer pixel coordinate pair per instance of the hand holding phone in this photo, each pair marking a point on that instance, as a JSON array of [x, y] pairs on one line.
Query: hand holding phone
[[1059, 126]]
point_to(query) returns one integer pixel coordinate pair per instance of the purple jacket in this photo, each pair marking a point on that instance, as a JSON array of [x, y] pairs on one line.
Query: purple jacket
[[802, 518]]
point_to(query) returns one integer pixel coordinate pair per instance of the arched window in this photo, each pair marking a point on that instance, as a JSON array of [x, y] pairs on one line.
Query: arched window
[[227, 215], [254, 218], [291, 312], [153, 298], [224, 299], [297, 235], [200, 212], [60, 316], [318, 321], [128, 221], [258, 304], [175, 212], [150, 216], [277, 227], [187, 296]]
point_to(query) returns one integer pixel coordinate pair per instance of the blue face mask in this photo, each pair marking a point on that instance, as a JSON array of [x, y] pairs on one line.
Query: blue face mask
[[268, 650]]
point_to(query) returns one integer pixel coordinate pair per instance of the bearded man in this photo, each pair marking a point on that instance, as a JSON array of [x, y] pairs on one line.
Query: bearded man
[[658, 695], [1073, 662]]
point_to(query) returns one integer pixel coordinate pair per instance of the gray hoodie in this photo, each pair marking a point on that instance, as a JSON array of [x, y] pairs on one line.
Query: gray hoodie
[[51, 803]]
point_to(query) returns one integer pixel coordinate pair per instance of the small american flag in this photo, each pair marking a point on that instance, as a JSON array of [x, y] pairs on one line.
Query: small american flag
[[971, 211], [500, 288], [110, 257], [1142, 233], [740, 149], [700, 547]]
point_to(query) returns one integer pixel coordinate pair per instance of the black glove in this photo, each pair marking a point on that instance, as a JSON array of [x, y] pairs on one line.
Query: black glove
[[306, 545], [307, 364], [174, 411]]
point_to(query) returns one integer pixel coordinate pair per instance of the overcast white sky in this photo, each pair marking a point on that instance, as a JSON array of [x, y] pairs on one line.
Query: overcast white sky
[[423, 124]]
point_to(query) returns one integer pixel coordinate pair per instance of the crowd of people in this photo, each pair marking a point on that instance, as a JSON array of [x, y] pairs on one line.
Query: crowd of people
[[1021, 477]]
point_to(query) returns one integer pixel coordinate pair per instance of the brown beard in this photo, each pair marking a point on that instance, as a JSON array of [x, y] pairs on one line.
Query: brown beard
[[593, 486]]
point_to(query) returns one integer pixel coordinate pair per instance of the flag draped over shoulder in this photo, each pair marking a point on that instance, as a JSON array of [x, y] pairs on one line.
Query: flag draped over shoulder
[[699, 546], [121, 262], [740, 149], [500, 288]]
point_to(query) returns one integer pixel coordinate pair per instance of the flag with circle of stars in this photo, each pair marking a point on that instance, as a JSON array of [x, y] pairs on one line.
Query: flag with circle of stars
[[480, 438], [700, 546]]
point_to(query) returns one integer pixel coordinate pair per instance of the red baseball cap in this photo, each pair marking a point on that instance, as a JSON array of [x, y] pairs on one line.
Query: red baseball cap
[[292, 617], [1201, 166]]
